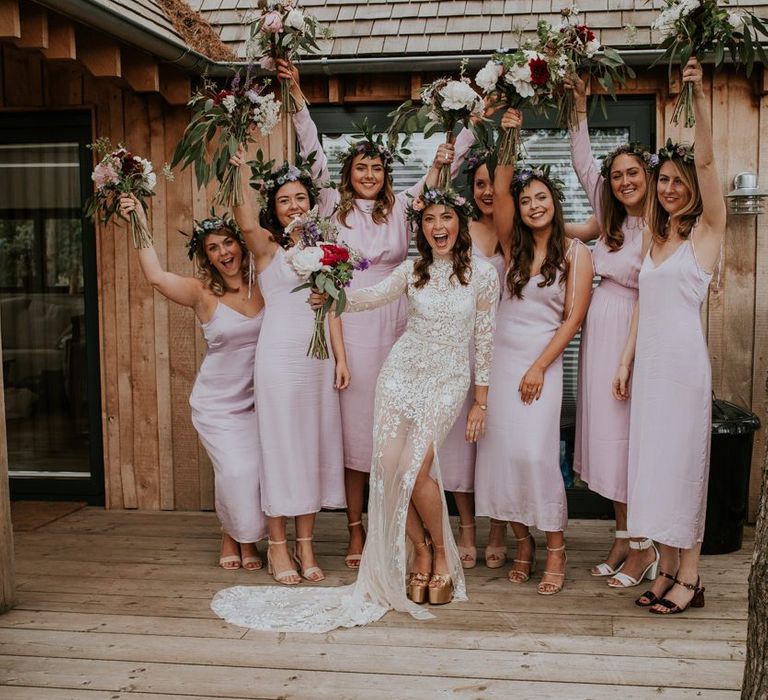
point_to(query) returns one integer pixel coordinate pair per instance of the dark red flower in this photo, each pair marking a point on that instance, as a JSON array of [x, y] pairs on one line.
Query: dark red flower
[[220, 96], [129, 166], [539, 71], [333, 254], [584, 33]]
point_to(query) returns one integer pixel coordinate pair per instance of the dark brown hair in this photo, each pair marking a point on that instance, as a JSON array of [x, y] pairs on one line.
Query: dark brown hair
[[385, 200], [614, 212], [523, 248], [268, 215], [658, 218], [461, 254], [207, 272]]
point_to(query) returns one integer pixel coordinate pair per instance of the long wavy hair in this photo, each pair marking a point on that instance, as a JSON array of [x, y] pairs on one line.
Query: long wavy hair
[[268, 216], [657, 216], [461, 254], [523, 248], [614, 212], [385, 200], [207, 272]]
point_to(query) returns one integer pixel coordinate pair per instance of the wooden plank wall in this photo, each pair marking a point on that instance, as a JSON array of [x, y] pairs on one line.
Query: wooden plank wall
[[151, 349]]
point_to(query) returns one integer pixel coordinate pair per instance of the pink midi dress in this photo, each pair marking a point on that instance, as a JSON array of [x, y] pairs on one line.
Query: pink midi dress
[[457, 456], [223, 413], [517, 473], [296, 405], [602, 421], [669, 436], [368, 335]]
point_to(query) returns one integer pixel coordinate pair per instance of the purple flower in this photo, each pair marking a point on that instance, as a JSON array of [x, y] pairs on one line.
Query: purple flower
[[362, 264], [653, 161]]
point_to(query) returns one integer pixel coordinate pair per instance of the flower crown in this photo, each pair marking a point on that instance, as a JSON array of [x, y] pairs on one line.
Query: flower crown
[[373, 146], [477, 156], [202, 228], [525, 173], [264, 178], [673, 151], [447, 197], [633, 148]]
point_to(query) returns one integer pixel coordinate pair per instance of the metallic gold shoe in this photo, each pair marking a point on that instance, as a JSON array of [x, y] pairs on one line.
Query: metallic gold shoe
[[417, 587], [440, 589]]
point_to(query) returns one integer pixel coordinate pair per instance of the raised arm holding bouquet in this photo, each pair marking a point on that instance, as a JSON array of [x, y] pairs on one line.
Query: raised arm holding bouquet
[[226, 118], [694, 28], [120, 172]]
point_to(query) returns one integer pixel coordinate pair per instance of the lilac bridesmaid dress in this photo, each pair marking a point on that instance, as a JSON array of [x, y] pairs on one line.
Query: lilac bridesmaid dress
[[296, 405], [517, 474], [669, 434], [368, 335], [223, 414], [457, 456], [602, 422]]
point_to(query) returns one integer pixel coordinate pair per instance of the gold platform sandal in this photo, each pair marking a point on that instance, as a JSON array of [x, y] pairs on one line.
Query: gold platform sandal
[[440, 586], [546, 587], [468, 555], [416, 590]]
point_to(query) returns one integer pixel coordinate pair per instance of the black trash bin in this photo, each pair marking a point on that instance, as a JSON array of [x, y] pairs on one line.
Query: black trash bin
[[733, 431]]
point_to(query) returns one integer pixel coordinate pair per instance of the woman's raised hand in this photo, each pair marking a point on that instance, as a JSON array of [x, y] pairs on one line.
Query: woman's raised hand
[[239, 159], [444, 155], [128, 204], [287, 71], [579, 87], [512, 119], [693, 73]]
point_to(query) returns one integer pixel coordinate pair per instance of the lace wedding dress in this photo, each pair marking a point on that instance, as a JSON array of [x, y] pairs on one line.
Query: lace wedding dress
[[421, 388]]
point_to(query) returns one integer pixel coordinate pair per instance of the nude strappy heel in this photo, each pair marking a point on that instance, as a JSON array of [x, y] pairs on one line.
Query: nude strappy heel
[[496, 556], [605, 569], [280, 576], [352, 561], [313, 573], [546, 587], [517, 576], [253, 563], [230, 559], [468, 555]]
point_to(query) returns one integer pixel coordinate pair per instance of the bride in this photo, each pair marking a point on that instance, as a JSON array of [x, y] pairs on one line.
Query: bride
[[419, 393]]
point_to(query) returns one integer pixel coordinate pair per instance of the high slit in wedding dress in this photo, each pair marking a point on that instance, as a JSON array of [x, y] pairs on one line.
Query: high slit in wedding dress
[[419, 393]]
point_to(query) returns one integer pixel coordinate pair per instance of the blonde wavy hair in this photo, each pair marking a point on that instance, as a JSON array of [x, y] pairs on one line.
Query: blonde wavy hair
[[208, 274], [657, 216]]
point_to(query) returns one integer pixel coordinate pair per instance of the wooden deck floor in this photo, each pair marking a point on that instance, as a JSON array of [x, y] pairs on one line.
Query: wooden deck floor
[[115, 605]]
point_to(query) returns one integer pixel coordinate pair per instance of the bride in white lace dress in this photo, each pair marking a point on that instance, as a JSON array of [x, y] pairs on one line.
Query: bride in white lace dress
[[420, 391]]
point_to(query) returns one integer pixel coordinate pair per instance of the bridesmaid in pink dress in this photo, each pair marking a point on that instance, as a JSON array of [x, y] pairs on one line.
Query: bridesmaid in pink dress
[[670, 424], [617, 194], [457, 453], [296, 399], [371, 219], [230, 311], [547, 293]]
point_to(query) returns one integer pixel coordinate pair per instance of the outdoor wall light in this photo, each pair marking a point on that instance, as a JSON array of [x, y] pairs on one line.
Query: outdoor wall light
[[746, 197]]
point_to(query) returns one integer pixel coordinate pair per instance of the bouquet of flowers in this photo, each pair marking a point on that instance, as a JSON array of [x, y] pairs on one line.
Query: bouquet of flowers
[[574, 48], [520, 78], [692, 28], [120, 172], [282, 30], [225, 117], [324, 263], [445, 103]]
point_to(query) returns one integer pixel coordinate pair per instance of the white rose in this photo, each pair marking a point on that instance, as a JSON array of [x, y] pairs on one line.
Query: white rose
[[151, 180], [294, 20], [519, 77], [488, 76], [592, 47], [458, 95], [306, 261], [229, 103], [736, 20]]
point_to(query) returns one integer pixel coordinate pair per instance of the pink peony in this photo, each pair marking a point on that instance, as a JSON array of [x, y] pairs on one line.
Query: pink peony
[[267, 63], [104, 174], [272, 23]]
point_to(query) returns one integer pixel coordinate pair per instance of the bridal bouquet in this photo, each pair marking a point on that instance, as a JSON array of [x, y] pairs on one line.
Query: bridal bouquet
[[227, 118], [575, 49], [445, 103], [282, 30], [520, 79], [693, 28], [121, 172], [324, 263]]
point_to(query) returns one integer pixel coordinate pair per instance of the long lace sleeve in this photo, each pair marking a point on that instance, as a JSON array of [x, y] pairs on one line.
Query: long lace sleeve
[[386, 291], [586, 168], [485, 324], [309, 141]]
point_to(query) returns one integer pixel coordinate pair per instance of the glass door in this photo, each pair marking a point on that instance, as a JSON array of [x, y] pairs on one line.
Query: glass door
[[48, 308], [627, 119]]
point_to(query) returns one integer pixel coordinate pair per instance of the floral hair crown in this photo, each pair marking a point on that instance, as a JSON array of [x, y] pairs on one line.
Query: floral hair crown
[[264, 178], [374, 146], [210, 225], [633, 148], [447, 197], [477, 156], [673, 151], [524, 174]]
